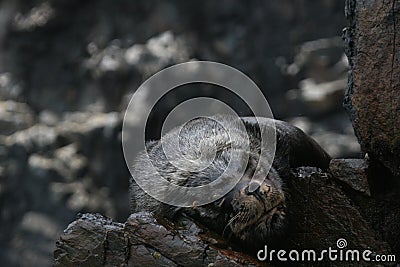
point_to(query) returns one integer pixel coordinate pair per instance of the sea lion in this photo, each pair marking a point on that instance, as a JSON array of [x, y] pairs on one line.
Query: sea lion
[[248, 218]]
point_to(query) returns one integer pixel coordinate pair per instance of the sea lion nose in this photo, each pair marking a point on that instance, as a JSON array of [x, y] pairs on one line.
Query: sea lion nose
[[266, 188]]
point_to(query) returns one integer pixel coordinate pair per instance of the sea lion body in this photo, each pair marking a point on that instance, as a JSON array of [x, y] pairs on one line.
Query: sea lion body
[[293, 146], [247, 218]]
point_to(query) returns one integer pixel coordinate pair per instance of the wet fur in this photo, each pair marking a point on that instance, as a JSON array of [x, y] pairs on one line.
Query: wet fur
[[237, 215]]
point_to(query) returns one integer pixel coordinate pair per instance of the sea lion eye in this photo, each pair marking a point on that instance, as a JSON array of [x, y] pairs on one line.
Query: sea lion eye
[[253, 186]]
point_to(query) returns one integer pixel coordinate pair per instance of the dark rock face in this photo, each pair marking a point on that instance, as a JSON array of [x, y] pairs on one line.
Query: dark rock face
[[353, 172], [372, 101], [372, 98], [93, 240], [323, 212]]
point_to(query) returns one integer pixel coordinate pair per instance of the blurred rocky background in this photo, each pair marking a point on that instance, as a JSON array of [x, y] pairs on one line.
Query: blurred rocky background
[[68, 69]]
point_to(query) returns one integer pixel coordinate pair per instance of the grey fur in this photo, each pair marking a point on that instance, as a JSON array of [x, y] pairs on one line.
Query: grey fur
[[208, 133], [294, 148]]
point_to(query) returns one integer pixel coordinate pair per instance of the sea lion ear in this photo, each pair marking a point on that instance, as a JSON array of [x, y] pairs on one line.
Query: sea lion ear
[[281, 163]]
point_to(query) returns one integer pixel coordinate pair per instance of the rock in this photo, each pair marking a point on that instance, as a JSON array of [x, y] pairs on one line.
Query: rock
[[320, 212], [36, 138], [160, 51], [108, 53], [322, 97], [57, 168], [93, 240], [333, 133], [372, 99], [337, 144], [10, 87], [325, 67], [48, 118], [15, 116], [353, 172], [34, 239], [69, 163]]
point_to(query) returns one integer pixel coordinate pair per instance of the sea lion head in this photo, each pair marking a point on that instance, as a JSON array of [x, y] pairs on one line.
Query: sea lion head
[[256, 215], [246, 216]]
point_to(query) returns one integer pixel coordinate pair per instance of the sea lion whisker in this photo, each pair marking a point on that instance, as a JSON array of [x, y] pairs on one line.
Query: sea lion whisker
[[230, 222], [246, 217]]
